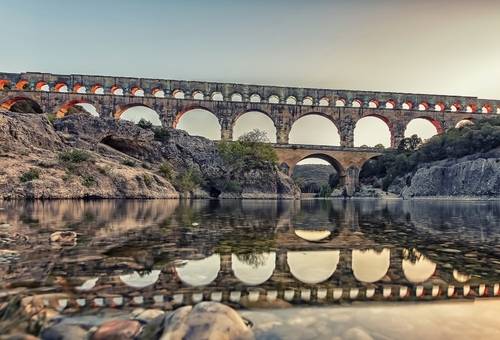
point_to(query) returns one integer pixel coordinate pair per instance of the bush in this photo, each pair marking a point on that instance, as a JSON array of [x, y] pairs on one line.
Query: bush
[[128, 162], [145, 124], [148, 180], [145, 165], [75, 156], [32, 174], [68, 175], [51, 118], [166, 170], [88, 180], [106, 169], [161, 133], [188, 180]]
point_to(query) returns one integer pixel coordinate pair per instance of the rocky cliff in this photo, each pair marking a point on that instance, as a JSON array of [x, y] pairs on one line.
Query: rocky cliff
[[122, 161], [474, 177]]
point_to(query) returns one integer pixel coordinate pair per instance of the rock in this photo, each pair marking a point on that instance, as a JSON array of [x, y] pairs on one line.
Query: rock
[[64, 332], [263, 303], [117, 330], [356, 334], [63, 237], [302, 321], [206, 320], [22, 337], [149, 314]]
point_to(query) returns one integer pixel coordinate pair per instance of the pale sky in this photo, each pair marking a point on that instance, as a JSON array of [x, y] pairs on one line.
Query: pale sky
[[418, 46]]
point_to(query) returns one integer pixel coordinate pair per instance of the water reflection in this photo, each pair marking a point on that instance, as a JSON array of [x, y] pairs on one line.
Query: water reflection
[[199, 272], [313, 266], [142, 280], [254, 268], [370, 265], [419, 268]]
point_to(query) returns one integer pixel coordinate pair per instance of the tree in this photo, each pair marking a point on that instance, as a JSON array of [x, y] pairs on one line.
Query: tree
[[412, 143]]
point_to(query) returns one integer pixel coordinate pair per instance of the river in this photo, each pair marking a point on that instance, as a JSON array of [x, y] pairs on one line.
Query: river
[[309, 269]]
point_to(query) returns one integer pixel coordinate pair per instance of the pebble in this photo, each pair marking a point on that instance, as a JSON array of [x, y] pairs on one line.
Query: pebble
[[117, 330], [149, 314], [64, 332]]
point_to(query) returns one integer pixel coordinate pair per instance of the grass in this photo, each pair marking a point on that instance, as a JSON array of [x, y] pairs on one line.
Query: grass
[[75, 156], [32, 174], [166, 170], [128, 162]]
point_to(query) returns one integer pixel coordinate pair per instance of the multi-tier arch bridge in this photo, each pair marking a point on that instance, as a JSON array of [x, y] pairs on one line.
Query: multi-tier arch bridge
[[170, 99]]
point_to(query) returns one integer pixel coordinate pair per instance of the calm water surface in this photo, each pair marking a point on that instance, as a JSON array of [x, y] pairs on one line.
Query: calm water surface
[[386, 269]]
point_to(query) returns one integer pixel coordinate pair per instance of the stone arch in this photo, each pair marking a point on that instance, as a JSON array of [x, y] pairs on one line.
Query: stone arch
[[318, 113], [42, 86], [253, 110], [390, 104], [122, 109], [137, 91], [208, 121], [61, 87], [419, 270], [178, 94], [23, 85], [356, 103], [116, 90], [79, 88], [340, 102], [471, 108], [236, 97], [273, 99], [97, 89], [327, 158], [217, 96], [433, 121], [250, 274], [299, 116], [486, 109], [308, 101], [423, 106], [158, 92], [455, 107], [373, 104], [199, 272], [439, 107], [7, 104], [324, 102], [65, 107], [255, 98], [384, 119], [268, 124], [370, 265], [291, 100], [407, 105], [313, 266], [5, 84], [198, 95]]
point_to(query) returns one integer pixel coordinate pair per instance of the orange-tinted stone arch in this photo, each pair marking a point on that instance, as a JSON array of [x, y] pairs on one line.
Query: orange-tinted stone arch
[[39, 86], [64, 109], [434, 122], [6, 105], [118, 113], [22, 85], [5, 84], [186, 110]]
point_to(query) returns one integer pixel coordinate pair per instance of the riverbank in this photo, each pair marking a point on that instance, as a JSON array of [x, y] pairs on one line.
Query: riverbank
[[80, 156]]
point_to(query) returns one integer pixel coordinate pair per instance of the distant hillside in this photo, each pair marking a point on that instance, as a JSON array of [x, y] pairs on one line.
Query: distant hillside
[[313, 175]]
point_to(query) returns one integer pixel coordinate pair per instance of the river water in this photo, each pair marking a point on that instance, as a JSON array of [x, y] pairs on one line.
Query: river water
[[310, 269]]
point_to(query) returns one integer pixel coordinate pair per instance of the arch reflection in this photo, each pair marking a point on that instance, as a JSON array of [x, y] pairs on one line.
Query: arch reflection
[[137, 280], [254, 268], [313, 235], [417, 268], [313, 266], [199, 272], [369, 265]]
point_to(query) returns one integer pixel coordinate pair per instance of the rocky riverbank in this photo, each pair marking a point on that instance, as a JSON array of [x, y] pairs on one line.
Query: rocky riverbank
[[81, 156], [472, 177]]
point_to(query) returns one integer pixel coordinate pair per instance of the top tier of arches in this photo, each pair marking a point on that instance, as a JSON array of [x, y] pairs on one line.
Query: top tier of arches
[[195, 90]]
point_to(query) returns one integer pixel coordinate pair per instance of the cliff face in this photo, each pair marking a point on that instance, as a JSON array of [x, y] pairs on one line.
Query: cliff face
[[29, 142], [475, 176]]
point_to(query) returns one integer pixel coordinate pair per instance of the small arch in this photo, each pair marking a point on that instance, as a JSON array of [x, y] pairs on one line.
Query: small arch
[[178, 94], [117, 91], [308, 101], [23, 85], [407, 105], [291, 100], [423, 106], [324, 102], [370, 265], [273, 99], [63, 111], [390, 104], [158, 93], [217, 96], [198, 95], [236, 97], [140, 281], [313, 266], [420, 269], [356, 103], [255, 98], [21, 105], [373, 104], [199, 272], [486, 109], [439, 107], [61, 87], [5, 85], [470, 109], [79, 88], [340, 102], [455, 107], [254, 268], [97, 89], [42, 86], [137, 91]]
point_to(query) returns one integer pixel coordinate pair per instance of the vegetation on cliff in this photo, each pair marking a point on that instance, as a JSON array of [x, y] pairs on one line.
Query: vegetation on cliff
[[482, 136]]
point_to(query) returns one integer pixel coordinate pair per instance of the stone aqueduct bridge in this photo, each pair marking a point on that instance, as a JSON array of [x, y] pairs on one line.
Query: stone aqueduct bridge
[[111, 96]]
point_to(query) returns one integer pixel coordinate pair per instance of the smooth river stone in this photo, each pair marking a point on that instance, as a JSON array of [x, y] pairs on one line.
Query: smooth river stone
[[117, 330], [206, 320]]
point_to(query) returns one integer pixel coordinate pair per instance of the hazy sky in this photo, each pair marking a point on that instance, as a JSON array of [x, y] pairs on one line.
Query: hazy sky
[[418, 46]]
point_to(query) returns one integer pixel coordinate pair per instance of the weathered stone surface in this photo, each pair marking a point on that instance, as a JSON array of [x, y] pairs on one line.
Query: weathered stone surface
[[64, 332], [117, 330], [474, 176]]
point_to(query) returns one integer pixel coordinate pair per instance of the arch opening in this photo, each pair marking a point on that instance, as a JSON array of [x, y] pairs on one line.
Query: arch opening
[[250, 120], [356, 103], [137, 92], [236, 97], [424, 127], [5, 85], [416, 267], [486, 109], [136, 111], [117, 91], [407, 105], [470, 109], [23, 85], [455, 108], [390, 104], [42, 86], [340, 102], [369, 265], [464, 123], [324, 102], [291, 100], [217, 96], [325, 130], [22, 105], [158, 93], [313, 266], [439, 107], [198, 121], [307, 101], [318, 176], [274, 99], [97, 89], [255, 98], [76, 107], [198, 95], [373, 131], [79, 88], [423, 106], [61, 87], [178, 94], [199, 272], [253, 268], [373, 104]]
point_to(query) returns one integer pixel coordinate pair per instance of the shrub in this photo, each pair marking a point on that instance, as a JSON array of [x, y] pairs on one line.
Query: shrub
[[75, 156], [145, 165], [145, 124], [166, 170], [32, 174], [189, 180], [161, 133], [88, 180], [51, 118], [106, 169], [148, 180], [128, 162]]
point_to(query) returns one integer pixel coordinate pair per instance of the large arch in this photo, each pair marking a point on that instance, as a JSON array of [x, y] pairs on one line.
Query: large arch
[[253, 269], [324, 132], [363, 132], [199, 272], [66, 106], [135, 111], [254, 119], [313, 266], [369, 265], [10, 102], [329, 159], [198, 121], [423, 126]]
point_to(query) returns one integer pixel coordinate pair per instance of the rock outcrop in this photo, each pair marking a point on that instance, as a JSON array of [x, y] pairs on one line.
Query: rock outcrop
[[475, 177], [125, 162]]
